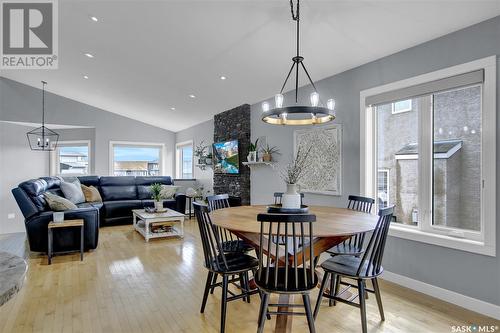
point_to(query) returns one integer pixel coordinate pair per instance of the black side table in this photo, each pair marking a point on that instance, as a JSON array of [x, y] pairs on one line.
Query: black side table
[[65, 224], [190, 205]]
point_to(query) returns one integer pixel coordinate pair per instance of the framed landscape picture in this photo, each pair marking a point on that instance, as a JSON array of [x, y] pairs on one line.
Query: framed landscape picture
[[324, 171]]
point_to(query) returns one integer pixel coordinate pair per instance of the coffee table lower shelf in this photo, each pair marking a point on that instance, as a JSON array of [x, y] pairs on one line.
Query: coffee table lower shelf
[[143, 224]]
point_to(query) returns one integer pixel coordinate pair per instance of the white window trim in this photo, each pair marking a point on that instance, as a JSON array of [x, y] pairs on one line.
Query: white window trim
[[485, 246], [178, 161], [54, 158], [133, 143], [393, 106]]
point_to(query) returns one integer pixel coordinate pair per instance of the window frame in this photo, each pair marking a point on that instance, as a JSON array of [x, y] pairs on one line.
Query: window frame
[[484, 241], [54, 158], [178, 158], [393, 107], [161, 146]]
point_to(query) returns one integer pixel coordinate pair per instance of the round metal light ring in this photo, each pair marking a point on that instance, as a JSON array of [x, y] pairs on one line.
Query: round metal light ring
[[311, 115]]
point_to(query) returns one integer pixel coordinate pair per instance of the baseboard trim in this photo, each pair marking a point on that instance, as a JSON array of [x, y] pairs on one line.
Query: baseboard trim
[[469, 303]]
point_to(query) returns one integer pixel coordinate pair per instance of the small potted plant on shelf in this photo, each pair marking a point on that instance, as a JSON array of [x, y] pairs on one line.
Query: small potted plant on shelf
[[156, 195], [268, 151], [292, 173], [252, 151], [200, 152]]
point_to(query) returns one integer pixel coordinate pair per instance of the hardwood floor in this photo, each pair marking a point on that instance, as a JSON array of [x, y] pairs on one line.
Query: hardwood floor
[[127, 285]]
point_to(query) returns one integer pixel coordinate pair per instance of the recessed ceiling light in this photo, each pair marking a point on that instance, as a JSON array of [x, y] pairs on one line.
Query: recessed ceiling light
[[93, 18], [85, 77], [223, 77], [192, 96], [173, 109], [89, 55]]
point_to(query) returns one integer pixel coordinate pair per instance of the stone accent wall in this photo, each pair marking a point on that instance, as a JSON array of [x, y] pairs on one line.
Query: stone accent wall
[[234, 124]]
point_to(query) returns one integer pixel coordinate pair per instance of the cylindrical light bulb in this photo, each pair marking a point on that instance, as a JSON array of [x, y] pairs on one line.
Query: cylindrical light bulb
[[278, 101], [314, 99], [265, 106], [330, 104]]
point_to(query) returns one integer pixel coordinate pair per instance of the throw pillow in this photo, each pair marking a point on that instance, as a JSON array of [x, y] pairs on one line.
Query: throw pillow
[[57, 203], [168, 191], [91, 194], [73, 191]]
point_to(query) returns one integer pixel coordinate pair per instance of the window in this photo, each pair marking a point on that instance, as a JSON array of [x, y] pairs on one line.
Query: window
[[136, 159], [383, 187], [71, 158], [401, 106], [435, 165], [184, 158]]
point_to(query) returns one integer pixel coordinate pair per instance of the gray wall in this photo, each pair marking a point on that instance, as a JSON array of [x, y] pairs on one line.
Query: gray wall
[[470, 274], [22, 103]]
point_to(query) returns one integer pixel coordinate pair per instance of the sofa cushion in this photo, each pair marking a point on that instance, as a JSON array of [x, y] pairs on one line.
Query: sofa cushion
[[35, 189], [91, 194], [118, 188], [89, 180], [121, 208], [57, 203], [73, 191]]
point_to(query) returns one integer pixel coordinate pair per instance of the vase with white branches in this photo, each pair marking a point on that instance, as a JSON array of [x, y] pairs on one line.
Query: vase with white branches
[[291, 174]]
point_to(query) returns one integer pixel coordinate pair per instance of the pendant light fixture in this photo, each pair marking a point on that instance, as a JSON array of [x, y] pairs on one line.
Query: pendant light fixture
[[298, 114], [42, 138]]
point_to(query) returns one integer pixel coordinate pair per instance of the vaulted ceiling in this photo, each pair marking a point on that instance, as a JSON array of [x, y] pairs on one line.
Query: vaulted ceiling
[[150, 56]]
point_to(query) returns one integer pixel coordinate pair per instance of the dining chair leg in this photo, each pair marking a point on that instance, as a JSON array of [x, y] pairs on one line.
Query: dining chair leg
[[207, 289], [247, 285], [263, 312], [223, 305], [214, 281], [242, 286], [379, 298], [320, 295], [337, 287], [309, 315], [362, 305], [333, 283]]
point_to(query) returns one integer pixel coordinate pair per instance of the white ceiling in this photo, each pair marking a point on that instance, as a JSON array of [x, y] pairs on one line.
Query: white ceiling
[[150, 55]]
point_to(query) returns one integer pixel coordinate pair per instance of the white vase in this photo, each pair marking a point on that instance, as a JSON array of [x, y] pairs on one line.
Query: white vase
[[252, 156], [159, 206], [291, 199]]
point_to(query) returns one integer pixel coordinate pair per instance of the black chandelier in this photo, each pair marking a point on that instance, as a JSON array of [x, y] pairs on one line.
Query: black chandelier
[[297, 114], [42, 138]]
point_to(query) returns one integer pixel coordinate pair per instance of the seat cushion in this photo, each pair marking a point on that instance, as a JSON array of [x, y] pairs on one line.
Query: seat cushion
[[121, 208], [237, 262], [303, 284], [97, 205], [348, 266], [345, 249]]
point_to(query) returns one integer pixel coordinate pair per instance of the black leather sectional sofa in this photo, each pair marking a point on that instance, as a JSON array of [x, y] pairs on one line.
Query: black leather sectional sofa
[[119, 194]]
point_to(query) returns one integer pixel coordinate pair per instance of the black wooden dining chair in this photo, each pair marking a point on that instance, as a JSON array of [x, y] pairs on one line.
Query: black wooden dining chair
[[224, 264], [354, 245], [367, 267], [278, 196], [288, 268], [230, 242]]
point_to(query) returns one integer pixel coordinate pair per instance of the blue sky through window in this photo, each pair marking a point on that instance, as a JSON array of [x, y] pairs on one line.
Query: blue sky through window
[[136, 154], [81, 150]]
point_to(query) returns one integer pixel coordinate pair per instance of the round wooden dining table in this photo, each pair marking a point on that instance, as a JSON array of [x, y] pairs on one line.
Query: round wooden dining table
[[333, 226]]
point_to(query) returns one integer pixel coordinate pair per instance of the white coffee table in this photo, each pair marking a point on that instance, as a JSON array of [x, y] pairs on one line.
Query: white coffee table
[[143, 220]]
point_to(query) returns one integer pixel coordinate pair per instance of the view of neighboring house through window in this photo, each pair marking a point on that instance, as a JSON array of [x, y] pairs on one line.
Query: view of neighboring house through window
[[72, 158], [184, 158], [383, 187], [136, 159]]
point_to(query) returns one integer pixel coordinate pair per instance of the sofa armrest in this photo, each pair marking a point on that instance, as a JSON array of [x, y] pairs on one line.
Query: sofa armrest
[[36, 228], [180, 202]]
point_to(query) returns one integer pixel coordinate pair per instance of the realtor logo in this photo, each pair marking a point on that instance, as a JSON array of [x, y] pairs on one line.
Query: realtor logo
[[29, 34]]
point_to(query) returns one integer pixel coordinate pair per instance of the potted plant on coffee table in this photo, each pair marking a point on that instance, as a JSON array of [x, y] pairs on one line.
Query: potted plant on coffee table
[[156, 195]]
